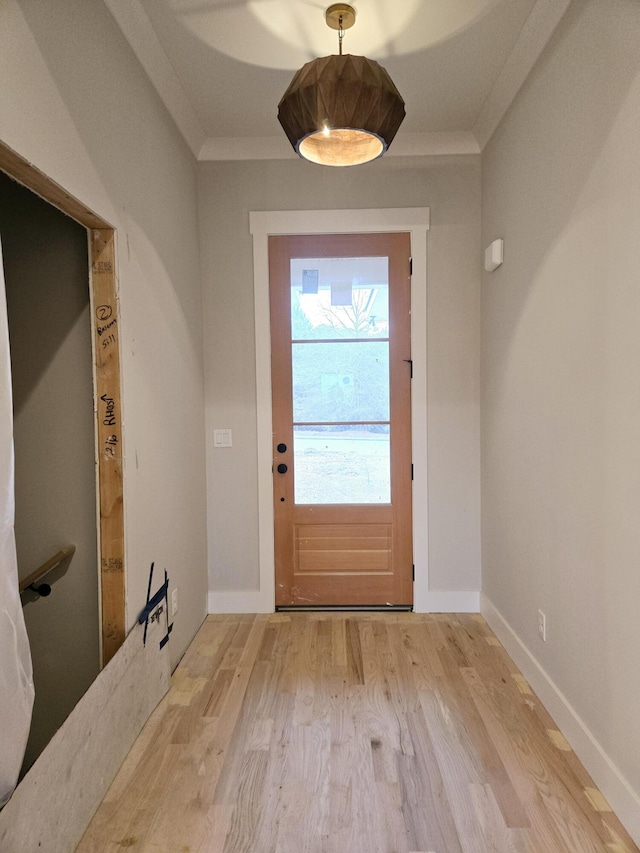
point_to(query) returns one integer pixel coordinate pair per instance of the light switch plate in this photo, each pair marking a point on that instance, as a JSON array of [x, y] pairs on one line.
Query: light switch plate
[[222, 438]]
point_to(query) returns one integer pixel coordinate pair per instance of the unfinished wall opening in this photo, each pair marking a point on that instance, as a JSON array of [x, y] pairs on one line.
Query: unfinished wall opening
[[63, 314], [46, 272]]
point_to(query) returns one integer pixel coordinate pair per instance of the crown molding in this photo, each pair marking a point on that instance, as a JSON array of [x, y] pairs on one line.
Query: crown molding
[[138, 31], [140, 34], [278, 147], [533, 38]]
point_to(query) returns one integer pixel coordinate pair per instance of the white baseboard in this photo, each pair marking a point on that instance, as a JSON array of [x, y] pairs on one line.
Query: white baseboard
[[255, 601], [621, 797], [449, 601], [239, 601]]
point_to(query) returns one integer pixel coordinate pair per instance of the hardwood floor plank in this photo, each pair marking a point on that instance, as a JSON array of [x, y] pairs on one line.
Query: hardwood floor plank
[[454, 694], [216, 828], [551, 806], [458, 769], [248, 797], [426, 808], [354, 652], [497, 837], [358, 732]]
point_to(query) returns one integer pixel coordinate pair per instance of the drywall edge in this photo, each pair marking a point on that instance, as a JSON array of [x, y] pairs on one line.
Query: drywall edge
[[87, 750]]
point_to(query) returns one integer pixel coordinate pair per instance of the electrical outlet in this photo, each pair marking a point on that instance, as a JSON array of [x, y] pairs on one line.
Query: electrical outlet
[[542, 626], [174, 602]]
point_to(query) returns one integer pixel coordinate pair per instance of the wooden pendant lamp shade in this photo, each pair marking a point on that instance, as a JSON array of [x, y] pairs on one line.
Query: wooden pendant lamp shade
[[341, 110]]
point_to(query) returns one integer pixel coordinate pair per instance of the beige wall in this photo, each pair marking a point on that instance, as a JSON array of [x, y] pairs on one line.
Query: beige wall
[[451, 189], [561, 368], [75, 102]]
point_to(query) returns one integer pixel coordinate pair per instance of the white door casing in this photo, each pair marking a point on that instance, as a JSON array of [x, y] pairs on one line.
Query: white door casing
[[265, 223]]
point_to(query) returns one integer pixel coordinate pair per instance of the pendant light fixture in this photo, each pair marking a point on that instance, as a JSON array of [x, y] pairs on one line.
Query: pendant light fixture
[[341, 110]]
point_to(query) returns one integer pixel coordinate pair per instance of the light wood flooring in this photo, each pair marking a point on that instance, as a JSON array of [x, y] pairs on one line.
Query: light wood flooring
[[351, 733]]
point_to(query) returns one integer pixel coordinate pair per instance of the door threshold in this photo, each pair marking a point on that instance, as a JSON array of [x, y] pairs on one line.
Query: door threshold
[[406, 608]]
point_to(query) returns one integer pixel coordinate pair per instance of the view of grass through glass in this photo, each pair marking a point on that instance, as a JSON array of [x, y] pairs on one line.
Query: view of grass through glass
[[340, 365]]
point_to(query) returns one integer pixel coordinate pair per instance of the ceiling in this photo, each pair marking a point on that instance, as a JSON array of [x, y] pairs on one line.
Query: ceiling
[[221, 66]]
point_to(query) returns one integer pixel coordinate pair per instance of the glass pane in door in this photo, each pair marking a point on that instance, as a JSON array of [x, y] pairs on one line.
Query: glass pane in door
[[340, 369], [342, 464], [339, 298], [341, 381]]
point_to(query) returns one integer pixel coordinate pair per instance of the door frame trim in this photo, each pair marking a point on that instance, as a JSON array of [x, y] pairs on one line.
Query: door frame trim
[[263, 224]]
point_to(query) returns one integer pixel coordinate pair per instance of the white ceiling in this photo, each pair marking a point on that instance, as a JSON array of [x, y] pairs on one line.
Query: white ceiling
[[221, 66]]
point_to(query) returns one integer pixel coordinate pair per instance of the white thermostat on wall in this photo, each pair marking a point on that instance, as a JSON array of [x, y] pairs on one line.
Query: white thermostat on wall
[[494, 255]]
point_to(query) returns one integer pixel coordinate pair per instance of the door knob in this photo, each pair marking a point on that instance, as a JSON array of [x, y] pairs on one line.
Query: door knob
[[282, 468]]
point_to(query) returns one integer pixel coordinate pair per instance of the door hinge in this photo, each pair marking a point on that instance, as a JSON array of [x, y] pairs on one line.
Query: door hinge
[[410, 363], [412, 470], [413, 572], [410, 266]]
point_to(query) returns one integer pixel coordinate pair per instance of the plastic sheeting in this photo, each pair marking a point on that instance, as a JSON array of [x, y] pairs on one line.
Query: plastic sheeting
[[16, 675]]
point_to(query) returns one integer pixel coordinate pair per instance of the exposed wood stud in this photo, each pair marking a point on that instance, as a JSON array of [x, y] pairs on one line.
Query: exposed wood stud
[[109, 438], [29, 176]]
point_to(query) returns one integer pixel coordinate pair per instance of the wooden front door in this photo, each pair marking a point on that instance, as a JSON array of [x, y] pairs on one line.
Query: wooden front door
[[341, 379]]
